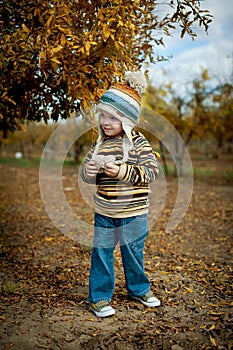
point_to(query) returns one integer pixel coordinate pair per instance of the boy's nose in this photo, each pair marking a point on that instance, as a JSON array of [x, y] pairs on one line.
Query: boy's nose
[[105, 121]]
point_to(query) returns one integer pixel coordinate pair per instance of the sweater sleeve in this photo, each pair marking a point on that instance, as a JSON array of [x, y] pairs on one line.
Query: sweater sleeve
[[145, 171]]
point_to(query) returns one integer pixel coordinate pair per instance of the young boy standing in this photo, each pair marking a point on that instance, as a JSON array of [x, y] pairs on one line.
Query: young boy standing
[[122, 164]]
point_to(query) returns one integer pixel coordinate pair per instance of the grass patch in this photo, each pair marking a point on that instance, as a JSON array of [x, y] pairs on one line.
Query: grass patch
[[31, 163], [229, 175], [201, 174], [23, 163], [204, 174]]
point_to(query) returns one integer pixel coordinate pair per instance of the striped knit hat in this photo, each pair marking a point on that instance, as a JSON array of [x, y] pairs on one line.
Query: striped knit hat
[[123, 101]]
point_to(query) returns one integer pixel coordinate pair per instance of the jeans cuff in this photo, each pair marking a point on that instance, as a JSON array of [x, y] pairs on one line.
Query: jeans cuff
[[139, 294], [98, 300]]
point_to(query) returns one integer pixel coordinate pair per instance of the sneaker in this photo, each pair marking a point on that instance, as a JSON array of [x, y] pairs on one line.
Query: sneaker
[[149, 299], [102, 308]]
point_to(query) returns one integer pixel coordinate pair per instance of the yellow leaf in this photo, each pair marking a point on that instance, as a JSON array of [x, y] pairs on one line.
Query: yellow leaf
[[106, 33], [82, 50], [49, 20], [49, 239], [10, 100], [121, 44], [213, 341], [25, 28], [54, 59], [25, 61], [92, 320], [116, 45], [63, 39], [56, 49], [87, 46], [132, 26], [203, 326], [188, 290], [212, 327], [62, 29]]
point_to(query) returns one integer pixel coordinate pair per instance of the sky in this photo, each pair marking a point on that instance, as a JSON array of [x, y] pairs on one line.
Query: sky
[[213, 51]]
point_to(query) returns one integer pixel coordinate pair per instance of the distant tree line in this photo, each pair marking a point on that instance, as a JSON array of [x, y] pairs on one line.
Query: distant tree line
[[203, 117]]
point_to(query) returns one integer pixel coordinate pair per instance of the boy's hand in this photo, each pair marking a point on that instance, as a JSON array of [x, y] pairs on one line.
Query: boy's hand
[[111, 170], [91, 169]]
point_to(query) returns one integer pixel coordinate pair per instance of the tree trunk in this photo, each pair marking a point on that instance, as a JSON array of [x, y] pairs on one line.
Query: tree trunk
[[163, 158]]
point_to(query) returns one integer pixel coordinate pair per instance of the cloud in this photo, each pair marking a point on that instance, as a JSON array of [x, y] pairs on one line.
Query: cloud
[[213, 51]]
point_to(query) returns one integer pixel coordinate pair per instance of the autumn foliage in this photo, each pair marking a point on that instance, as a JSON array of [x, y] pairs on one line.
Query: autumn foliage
[[59, 56]]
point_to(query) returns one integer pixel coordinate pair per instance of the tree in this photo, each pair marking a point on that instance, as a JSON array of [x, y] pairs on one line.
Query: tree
[[30, 140], [188, 113], [59, 56], [221, 117], [203, 112]]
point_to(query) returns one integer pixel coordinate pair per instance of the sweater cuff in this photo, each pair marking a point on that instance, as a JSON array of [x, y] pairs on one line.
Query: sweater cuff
[[122, 171]]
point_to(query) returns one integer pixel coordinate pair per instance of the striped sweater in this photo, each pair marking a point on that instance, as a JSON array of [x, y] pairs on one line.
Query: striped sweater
[[127, 194]]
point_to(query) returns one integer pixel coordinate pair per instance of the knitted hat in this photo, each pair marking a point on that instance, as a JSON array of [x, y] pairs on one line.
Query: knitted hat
[[123, 101]]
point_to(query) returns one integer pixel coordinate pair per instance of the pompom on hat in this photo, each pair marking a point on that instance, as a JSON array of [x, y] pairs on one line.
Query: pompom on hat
[[123, 101]]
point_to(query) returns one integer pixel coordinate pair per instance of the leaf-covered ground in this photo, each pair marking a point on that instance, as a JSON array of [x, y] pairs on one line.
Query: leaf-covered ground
[[44, 276]]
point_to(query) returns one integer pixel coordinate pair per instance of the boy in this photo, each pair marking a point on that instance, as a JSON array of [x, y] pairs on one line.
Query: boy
[[122, 165]]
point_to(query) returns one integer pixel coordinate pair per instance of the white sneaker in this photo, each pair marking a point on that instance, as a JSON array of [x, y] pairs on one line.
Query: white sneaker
[[149, 299], [102, 309]]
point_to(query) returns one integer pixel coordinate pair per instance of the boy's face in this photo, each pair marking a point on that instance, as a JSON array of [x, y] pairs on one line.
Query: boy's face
[[111, 125]]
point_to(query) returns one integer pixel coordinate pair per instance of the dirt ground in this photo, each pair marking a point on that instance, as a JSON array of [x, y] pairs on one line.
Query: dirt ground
[[44, 276]]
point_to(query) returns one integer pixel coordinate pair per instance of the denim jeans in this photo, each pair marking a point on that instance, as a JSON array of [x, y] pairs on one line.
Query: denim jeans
[[131, 234]]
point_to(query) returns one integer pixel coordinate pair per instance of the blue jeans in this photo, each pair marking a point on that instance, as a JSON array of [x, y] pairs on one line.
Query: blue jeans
[[131, 234]]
